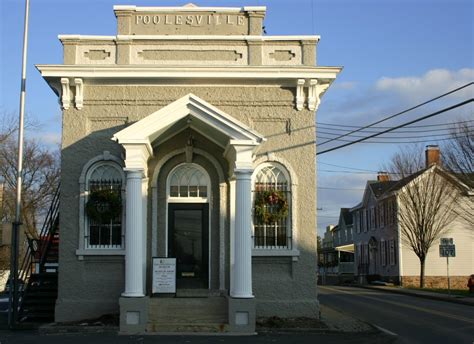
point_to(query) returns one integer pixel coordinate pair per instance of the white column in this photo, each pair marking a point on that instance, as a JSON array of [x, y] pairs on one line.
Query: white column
[[241, 278], [134, 245]]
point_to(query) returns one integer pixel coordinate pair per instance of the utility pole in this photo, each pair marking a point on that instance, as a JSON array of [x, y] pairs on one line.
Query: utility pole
[[14, 290]]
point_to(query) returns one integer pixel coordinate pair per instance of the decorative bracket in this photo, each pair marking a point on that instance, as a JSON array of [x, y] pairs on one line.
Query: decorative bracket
[[65, 93], [313, 96], [79, 98], [315, 92], [300, 94]]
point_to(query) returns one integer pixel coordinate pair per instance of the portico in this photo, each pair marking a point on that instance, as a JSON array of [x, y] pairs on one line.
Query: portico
[[240, 144]]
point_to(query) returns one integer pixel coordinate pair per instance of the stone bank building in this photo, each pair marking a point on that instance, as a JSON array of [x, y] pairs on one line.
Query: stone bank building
[[188, 135]]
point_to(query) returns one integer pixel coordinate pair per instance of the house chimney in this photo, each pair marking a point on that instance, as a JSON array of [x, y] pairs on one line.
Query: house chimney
[[432, 155], [383, 176]]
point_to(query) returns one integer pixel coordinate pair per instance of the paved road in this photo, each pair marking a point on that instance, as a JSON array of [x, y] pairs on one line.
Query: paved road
[[413, 319]]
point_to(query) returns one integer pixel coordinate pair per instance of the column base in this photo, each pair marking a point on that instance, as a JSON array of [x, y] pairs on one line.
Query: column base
[[242, 315], [125, 294], [133, 314]]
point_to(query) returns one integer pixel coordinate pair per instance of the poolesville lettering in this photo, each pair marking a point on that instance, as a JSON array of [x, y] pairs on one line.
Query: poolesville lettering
[[191, 19]]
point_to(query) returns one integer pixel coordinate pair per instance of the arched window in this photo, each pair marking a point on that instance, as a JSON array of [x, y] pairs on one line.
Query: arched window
[[271, 178], [188, 180], [104, 175]]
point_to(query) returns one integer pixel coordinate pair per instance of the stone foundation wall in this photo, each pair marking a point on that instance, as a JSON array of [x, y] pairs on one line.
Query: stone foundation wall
[[457, 282]]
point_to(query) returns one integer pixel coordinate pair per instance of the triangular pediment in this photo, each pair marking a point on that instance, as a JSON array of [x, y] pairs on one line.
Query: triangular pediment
[[190, 111]]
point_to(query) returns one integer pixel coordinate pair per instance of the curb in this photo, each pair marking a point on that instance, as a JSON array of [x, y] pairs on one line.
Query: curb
[[421, 295]]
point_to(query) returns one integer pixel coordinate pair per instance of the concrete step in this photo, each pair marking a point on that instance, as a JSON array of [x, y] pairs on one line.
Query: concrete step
[[188, 311]]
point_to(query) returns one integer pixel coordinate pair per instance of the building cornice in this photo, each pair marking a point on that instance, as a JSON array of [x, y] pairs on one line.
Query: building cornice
[[184, 72], [65, 38], [190, 9]]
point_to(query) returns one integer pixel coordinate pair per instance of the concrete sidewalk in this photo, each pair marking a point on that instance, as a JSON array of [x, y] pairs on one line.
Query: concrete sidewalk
[[332, 322], [422, 293], [341, 322]]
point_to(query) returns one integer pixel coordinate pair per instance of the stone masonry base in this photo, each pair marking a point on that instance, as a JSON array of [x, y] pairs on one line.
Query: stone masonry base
[[457, 282]]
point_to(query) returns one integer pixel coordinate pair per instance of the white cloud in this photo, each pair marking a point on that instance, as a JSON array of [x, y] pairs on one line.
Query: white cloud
[[433, 82]]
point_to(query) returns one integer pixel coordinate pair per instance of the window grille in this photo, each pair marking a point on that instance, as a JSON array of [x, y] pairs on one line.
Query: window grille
[[275, 235], [105, 235]]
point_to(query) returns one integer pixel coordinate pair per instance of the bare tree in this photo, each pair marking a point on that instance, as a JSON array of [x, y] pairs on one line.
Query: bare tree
[[458, 158], [427, 198], [40, 180]]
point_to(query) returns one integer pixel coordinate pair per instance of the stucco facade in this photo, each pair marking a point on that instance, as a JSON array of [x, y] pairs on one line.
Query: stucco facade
[[230, 87]]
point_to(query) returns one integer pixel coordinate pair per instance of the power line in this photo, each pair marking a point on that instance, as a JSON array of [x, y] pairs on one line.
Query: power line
[[413, 126], [415, 131], [349, 172], [400, 126], [396, 142], [331, 188], [346, 167], [401, 112], [395, 137]]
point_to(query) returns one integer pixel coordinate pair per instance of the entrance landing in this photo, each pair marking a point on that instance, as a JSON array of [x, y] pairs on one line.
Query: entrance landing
[[188, 314]]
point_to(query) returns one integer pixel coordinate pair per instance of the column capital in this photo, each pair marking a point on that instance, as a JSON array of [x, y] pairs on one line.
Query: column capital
[[134, 173], [136, 156], [239, 154]]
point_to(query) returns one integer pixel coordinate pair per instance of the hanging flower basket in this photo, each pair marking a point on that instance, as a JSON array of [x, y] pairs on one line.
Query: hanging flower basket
[[271, 206], [104, 205]]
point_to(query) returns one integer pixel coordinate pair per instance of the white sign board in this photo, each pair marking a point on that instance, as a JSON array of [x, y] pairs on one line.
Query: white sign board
[[164, 275], [446, 241]]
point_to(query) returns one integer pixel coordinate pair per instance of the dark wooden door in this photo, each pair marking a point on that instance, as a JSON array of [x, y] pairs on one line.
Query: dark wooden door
[[188, 242]]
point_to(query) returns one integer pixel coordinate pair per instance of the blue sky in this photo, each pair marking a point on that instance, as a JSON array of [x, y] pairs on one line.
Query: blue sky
[[395, 54]]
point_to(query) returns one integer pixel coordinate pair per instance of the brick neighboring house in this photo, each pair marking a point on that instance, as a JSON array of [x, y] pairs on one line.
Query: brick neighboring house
[[379, 250]]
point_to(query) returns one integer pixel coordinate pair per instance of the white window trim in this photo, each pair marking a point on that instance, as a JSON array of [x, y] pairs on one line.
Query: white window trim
[[83, 223], [292, 226]]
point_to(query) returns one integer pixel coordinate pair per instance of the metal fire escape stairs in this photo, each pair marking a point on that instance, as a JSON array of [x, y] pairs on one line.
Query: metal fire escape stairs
[[39, 271]]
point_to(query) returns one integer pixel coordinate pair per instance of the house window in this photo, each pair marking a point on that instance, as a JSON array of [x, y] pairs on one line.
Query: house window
[[366, 219], [394, 212], [372, 218], [104, 175], [272, 234], [392, 252], [383, 252]]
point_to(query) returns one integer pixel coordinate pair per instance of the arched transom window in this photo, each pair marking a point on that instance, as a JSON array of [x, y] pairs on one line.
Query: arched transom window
[[271, 177], [273, 229], [188, 180]]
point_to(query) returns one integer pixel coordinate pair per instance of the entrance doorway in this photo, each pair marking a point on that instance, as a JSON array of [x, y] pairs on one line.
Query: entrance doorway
[[188, 233]]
